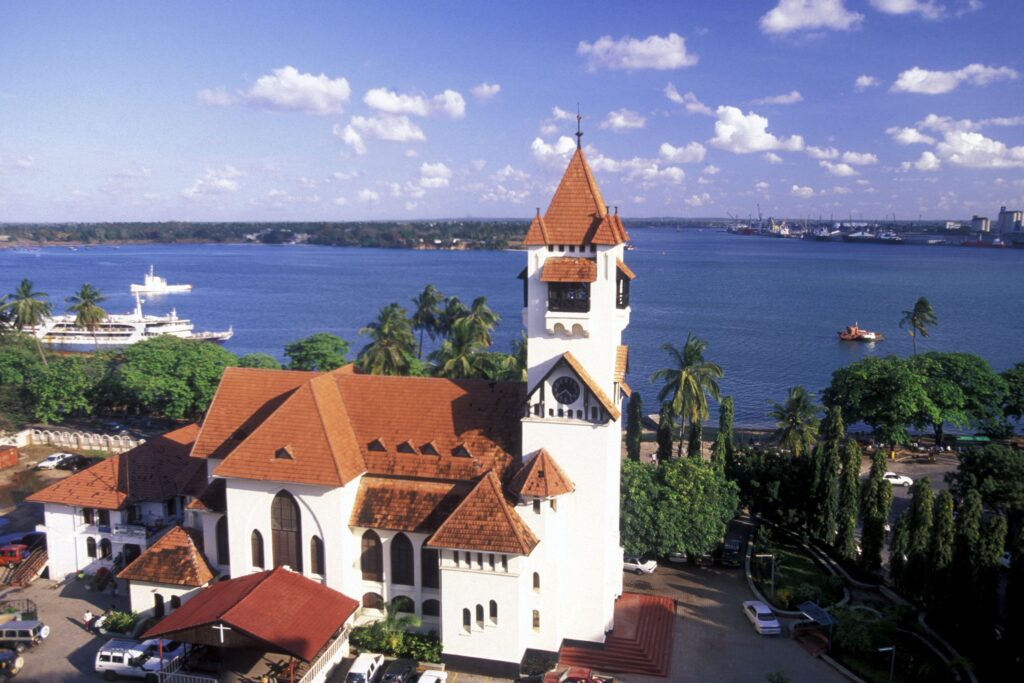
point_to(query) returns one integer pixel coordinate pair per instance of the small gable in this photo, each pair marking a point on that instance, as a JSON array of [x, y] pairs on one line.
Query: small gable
[[485, 521], [592, 398], [541, 478]]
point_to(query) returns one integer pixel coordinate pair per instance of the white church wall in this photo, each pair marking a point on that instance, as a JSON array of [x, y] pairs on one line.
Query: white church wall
[[65, 548], [142, 595]]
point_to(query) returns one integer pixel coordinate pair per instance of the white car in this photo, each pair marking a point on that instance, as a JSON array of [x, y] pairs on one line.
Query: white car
[[1005, 558], [762, 617], [50, 462], [365, 668], [432, 676], [132, 659], [638, 565], [898, 479]]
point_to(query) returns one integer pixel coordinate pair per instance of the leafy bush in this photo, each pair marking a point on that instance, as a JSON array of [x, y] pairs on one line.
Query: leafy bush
[[422, 647], [120, 622], [537, 663]]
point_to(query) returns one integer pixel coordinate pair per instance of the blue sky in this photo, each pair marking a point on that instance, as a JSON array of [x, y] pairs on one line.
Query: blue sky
[[346, 111]]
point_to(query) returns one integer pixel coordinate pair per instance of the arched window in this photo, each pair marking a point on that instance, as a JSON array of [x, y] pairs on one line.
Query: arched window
[[536, 620], [316, 555], [431, 608], [372, 558], [372, 600], [158, 606], [404, 604], [256, 540], [286, 531], [494, 613], [430, 574], [90, 546], [105, 548], [175, 601], [402, 570], [536, 582], [480, 617], [467, 620], [223, 554]]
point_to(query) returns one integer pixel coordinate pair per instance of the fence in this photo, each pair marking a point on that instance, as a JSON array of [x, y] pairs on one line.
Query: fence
[[325, 663], [83, 441], [171, 674]]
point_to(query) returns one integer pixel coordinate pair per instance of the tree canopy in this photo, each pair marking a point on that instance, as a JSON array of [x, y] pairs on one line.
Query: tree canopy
[[321, 351]]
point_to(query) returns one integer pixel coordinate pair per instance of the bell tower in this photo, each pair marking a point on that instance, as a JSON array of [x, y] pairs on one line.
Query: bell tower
[[576, 306]]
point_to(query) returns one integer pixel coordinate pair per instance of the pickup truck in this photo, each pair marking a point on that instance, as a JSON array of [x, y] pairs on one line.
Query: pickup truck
[[13, 554], [576, 675]]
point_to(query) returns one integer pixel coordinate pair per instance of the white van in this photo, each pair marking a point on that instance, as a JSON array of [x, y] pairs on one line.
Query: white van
[[133, 659], [365, 668]]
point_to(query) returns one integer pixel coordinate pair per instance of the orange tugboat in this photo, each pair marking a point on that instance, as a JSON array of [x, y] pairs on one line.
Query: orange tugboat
[[854, 333]]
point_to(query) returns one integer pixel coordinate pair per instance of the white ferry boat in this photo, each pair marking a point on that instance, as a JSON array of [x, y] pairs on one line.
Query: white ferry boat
[[121, 330], [154, 284]]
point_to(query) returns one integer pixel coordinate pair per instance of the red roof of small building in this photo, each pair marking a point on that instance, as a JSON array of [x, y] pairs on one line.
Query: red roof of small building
[[541, 478], [174, 559], [153, 471], [280, 608], [568, 269], [485, 521]]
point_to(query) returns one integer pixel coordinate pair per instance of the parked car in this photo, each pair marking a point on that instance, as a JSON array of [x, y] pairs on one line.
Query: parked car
[[576, 674], [365, 668], [677, 558], [761, 616], [51, 461], [74, 463], [638, 565], [1005, 558], [432, 676], [399, 671], [23, 634], [13, 553], [731, 552], [11, 663], [132, 659], [898, 479]]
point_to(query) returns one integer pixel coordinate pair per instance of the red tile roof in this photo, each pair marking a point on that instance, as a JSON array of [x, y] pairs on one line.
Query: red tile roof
[[594, 387], [541, 478], [485, 521], [282, 609], [624, 269], [213, 498], [403, 505], [577, 213], [622, 367], [568, 269], [153, 471], [174, 559]]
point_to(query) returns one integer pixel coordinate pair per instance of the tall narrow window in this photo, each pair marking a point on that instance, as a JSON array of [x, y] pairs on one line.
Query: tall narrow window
[[88, 514], [223, 551], [455, 557], [490, 562], [467, 620], [316, 556], [256, 541], [402, 570], [430, 575], [480, 617], [90, 546], [371, 559], [105, 548], [431, 608], [536, 620], [479, 560], [504, 563], [158, 606], [536, 582], [286, 531], [104, 516], [494, 613]]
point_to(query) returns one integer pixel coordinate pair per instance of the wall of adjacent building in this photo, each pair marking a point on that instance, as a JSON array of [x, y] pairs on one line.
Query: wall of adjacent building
[[142, 595]]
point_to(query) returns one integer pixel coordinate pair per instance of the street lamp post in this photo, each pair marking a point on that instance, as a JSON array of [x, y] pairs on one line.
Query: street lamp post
[[772, 558], [892, 661]]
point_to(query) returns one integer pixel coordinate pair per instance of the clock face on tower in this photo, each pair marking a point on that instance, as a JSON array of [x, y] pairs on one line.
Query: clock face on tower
[[566, 390]]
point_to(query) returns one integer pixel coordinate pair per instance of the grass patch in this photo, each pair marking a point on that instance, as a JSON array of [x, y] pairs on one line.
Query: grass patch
[[798, 578], [915, 661]]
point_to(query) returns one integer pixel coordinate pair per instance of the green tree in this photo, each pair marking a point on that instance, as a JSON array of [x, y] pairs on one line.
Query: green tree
[[688, 381], [997, 474], [639, 501], [426, 314], [986, 599], [321, 352], [899, 549], [693, 442], [173, 376], [1014, 402], [463, 354], [723, 449], [967, 540], [19, 363], [919, 535], [796, 421], [827, 464], [481, 320], [259, 360], [453, 310], [664, 434], [1015, 596], [918, 319], [392, 344], [634, 426], [64, 388], [940, 551], [849, 497], [962, 390], [696, 505], [519, 352], [26, 307], [399, 619], [875, 506], [85, 304]]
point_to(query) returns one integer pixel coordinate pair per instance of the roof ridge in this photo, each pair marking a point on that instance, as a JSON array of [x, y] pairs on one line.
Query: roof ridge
[[591, 383], [255, 584], [492, 479], [315, 386]]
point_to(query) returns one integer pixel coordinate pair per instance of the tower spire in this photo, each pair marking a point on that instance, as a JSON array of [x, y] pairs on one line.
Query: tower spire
[[579, 131]]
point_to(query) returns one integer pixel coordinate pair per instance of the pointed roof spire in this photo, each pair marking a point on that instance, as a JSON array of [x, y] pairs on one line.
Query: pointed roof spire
[[579, 130]]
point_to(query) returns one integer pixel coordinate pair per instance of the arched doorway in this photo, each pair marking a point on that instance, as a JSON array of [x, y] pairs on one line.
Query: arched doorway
[[286, 530], [371, 559], [402, 569]]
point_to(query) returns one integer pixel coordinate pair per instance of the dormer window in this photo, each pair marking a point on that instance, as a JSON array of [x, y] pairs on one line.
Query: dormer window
[[428, 449], [461, 451], [378, 446], [406, 447], [284, 453]]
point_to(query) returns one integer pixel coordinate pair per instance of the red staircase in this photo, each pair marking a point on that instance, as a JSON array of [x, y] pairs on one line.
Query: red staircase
[[641, 642]]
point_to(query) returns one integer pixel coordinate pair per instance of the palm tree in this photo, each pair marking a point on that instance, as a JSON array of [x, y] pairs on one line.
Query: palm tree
[[796, 421], [688, 382], [398, 620], [462, 355], [453, 310], [85, 304], [27, 308], [918, 320], [481, 320], [426, 317], [391, 343]]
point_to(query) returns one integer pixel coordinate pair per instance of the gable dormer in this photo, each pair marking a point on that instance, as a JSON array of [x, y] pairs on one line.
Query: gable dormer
[[568, 392]]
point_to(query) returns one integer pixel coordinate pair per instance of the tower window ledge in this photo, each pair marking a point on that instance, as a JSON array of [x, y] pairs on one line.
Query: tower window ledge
[[567, 324]]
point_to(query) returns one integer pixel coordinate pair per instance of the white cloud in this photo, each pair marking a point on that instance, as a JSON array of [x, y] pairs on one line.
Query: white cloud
[[802, 15], [864, 82], [690, 154], [711, 170], [648, 172], [909, 136], [500, 193], [449, 102], [689, 101], [772, 158], [214, 182], [927, 162], [434, 175], [822, 152], [560, 150], [390, 128], [928, 9], [792, 97], [478, 164], [286, 89], [452, 103], [840, 169], [510, 173], [485, 91], [561, 115], [761, 186], [216, 97], [21, 163], [623, 119], [860, 158], [697, 199], [839, 189], [368, 196], [345, 175], [653, 52], [974, 150], [924, 82], [802, 191], [350, 137], [340, 201], [743, 133]]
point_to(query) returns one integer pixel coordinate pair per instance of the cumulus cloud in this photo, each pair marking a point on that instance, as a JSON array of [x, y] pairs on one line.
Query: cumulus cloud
[[696, 200], [623, 119], [560, 114], [648, 172], [864, 82], [434, 175], [501, 193], [909, 136], [390, 128], [927, 162], [286, 89], [838, 169], [761, 186], [772, 158], [808, 15], [449, 103], [792, 97], [974, 150], [822, 152], [630, 54], [214, 182], [369, 196], [802, 191], [711, 170], [928, 9], [485, 91], [860, 158], [689, 101], [510, 173], [559, 150], [744, 133], [925, 82], [215, 97], [690, 154]]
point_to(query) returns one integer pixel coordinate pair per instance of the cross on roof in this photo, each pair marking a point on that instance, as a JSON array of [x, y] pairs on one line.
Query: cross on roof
[[221, 628]]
